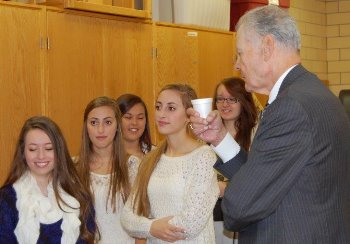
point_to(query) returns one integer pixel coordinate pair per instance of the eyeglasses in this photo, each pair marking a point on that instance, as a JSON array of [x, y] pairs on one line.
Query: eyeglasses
[[230, 100]]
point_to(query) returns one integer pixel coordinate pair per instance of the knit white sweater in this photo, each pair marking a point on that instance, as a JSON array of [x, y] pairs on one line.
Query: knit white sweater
[[184, 187]]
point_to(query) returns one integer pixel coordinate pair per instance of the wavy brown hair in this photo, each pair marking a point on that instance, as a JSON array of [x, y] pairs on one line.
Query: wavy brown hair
[[247, 119], [119, 180], [141, 204], [125, 103], [63, 175]]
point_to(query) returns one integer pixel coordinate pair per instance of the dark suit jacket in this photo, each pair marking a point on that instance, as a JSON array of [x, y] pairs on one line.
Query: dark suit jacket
[[293, 186]]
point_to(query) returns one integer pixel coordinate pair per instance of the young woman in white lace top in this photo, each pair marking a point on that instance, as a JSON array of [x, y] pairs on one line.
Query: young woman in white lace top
[[103, 166], [175, 191]]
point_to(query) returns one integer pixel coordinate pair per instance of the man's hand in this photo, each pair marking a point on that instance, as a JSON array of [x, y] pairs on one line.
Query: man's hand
[[210, 129], [161, 229]]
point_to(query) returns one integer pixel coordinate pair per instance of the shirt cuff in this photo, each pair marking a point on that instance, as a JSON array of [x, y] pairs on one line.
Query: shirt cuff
[[227, 149]]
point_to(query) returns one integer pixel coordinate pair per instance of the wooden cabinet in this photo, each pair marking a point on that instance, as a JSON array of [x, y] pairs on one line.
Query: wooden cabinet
[[21, 74], [54, 61], [198, 57], [96, 57], [74, 65]]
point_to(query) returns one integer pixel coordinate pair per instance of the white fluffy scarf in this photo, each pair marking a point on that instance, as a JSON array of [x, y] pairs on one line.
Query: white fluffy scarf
[[35, 208]]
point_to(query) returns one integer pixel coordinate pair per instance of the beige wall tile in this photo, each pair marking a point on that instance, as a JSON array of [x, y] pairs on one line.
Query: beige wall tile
[[338, 42], [325, 31], [315, 66], [338, 66], [308, 16], [319, 42], [344, 30], [332, 30], [315, 29], [338, 18], [344, 6], [332, 7], [345, 78], [311, 5], [333, 55], [334, 78], [306, 41], [322, 76], [313, 41], [345, 54]]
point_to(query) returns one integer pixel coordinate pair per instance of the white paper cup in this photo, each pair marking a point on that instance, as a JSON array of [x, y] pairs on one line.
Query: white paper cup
[[203, 106]]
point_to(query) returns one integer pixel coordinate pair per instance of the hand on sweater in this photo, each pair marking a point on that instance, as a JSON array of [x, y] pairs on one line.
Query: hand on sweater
[[161, 229]]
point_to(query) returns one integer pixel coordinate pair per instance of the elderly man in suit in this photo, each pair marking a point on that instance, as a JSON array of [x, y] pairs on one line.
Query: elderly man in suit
[[293, 185]]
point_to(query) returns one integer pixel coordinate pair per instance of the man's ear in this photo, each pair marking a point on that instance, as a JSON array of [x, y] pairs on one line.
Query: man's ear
[[268, 47]]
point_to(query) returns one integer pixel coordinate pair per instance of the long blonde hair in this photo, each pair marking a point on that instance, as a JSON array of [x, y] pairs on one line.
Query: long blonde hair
[[119, 180], [141, 203]]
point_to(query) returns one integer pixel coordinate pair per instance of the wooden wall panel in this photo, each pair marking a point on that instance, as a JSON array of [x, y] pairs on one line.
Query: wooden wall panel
[[75, 70], [20, 75]]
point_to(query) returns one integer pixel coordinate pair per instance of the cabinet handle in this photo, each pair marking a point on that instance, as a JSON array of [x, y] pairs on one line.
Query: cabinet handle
[[154, 52], [48, 43]]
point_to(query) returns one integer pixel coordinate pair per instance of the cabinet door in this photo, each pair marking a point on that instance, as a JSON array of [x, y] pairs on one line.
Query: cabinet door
[[216, 60], [20, 75], [91, 57], [128, 64], [176, 56], [75, 67]]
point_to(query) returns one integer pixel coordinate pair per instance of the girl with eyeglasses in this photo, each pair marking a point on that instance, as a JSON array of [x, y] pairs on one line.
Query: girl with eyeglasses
[[239, 114]]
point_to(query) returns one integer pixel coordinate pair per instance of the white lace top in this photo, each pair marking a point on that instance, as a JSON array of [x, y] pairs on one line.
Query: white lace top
[[108, 222], [184, 187]]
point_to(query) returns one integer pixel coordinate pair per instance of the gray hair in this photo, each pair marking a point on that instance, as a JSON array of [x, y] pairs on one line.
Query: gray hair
[[272, 20]]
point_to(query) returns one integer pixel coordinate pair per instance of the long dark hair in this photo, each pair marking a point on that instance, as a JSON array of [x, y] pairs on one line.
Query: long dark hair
[[64, 173], [125, 103], [119, 180], [247, 119]]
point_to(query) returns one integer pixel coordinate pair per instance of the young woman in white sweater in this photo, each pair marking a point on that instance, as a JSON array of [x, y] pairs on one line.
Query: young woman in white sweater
[[175, 191]]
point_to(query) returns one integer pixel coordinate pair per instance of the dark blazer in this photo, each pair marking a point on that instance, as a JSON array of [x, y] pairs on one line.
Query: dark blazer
[[293, 186]]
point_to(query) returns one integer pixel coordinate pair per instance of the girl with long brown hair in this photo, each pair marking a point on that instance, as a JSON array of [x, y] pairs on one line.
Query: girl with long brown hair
[[237, 110], [175, 191], [43, 199], [239, 115], [103, 167]]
